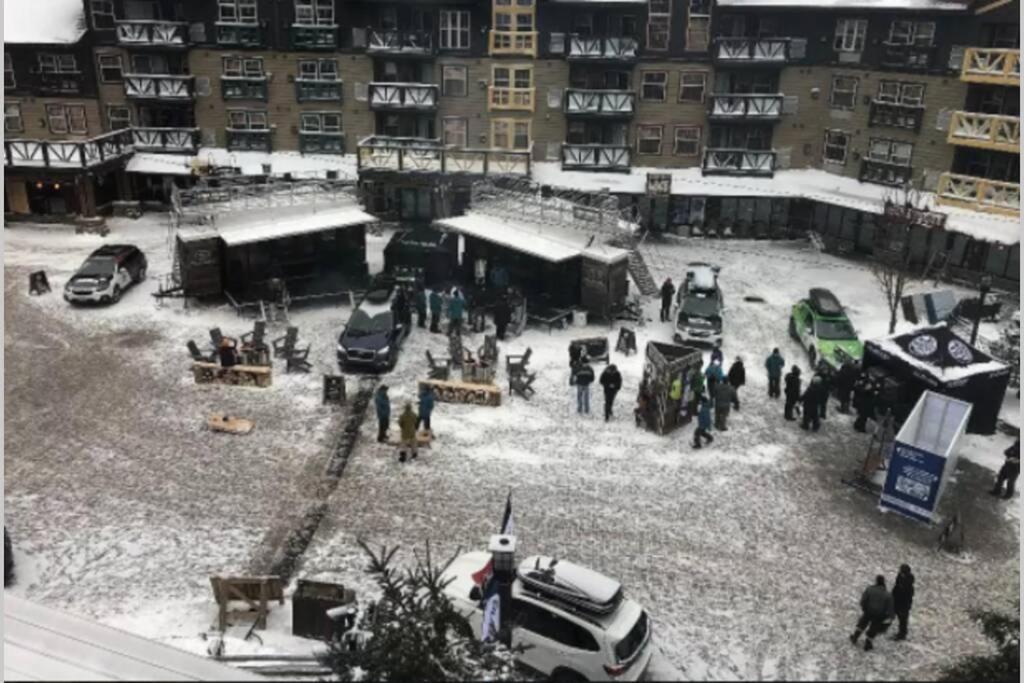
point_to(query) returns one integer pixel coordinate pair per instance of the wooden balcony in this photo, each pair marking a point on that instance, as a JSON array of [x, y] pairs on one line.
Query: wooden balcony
[[884, 173], [985, 131], [889, 115], [230, 34], [738, 162], [174, 140], [595, 157], [511, 99], [730, 107], [159, 87], [403, 96], [67, 154], [314, 36], [512, 43], [239, 140], [243, 88], [992, 66], [321, 143], [421, 155], [617, 49], [151, 33], [317, 91], [600, 103], [411, 43], [979, 194], [751, 51]]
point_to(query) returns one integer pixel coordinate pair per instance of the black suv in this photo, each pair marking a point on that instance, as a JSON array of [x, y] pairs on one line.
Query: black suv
[[107, 272], [374, 332]]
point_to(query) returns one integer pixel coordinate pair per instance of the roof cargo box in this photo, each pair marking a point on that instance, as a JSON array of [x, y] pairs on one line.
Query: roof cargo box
[[825, 302], [570, 584]]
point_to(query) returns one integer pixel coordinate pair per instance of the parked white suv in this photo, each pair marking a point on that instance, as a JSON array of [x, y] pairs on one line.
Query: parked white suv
[[575, 623]]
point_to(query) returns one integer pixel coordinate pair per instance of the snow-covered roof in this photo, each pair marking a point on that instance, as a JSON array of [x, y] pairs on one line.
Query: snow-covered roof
[[250, 163], [937, 351], [46, 22], [41, 643], [919, 5], [277, 227], [810, 184]]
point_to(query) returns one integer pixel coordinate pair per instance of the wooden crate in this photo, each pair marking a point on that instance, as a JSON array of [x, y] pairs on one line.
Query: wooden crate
[[240, 375], [463, 392]]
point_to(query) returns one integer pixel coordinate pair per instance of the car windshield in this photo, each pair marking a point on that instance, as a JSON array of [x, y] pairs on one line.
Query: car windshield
[[700, 306], [835, 329], [627, 647], [361, 324], [97, 266]]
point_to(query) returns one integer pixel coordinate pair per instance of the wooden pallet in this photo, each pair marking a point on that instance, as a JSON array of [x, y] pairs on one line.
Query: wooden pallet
[[240, 375], [463, 392], [228, 424]]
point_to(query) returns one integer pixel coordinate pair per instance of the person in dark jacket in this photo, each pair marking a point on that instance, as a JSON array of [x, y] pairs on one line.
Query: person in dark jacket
[[903, 599], [865, 395], [502, 316], [382, 404], [582, 378], [811, 401], [792, 392], [737, 377], [456, 307], [725, 394], [774, 364], [227, 353], [824, 375], [877, 612], [436, 303], [667, 290], [611, 381], [426, 407], [1008, 472], [703, 431], [716, 354], [421, 306], [845, 378], [400, 307]]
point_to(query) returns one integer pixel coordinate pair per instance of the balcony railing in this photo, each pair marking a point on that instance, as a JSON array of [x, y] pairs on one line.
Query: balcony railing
[[738, 162], [421, 155], [249, 140], [321, 143], [991, 65], [907, 56], [414, 96], [889, 115], [317, 91], [979, 194], [399, 42], [314, 37], [516, 99], [183, 140], [68, 153], [986, 131], [513, 42], [738, 51], [746, 107], [595, 157], [884, 173], [239, 35], [136, 33], [610, 48], [243, 88], [604, 103], [162, 87]]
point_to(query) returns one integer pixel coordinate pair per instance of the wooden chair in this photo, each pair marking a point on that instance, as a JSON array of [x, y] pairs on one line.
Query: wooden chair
[[489, 351], [256, 338], [284, 346], [216, 337], [522, 384], [439, 369], [297, 360], [198, 356], [516, 363]]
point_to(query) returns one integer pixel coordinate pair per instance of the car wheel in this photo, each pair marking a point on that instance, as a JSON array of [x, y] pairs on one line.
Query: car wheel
[[116, 296], [567, 676], [141, 275]]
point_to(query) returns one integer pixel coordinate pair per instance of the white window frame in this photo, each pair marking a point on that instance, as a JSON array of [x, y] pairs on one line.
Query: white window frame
[[238, 12], [318, 72], [644, 84], [66, 116], [454, 29], [127, 118], [9, 72], [851, 35], [836, 78], [695, 140], [445, 80], [51, 63], [242, 67], [641, 138], [103, 8], [890, 156], [897, 92], [683, 86], [831, 144], [12, 112], [317, 122], [109, 58], [314, 12], [464, 123], [916, 33], [659, 23], [248, 120], [511, 130]]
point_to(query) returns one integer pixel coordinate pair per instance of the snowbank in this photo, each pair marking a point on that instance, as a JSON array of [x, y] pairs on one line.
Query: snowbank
[[249, 163]]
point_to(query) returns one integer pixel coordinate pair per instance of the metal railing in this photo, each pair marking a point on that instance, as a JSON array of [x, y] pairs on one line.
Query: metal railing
[[403, 95], [979, 194], [165, 139], [314, 36], [991, 65], [614, 47], [987, 131], [401, 42], [892, 115], [600, 102], [68, 153], [159, 87], [241, 140], [321, 143], [239, 34], [151, 32], [741, 50], [727, 161], [595, 157], [424, 155], [730, 106]]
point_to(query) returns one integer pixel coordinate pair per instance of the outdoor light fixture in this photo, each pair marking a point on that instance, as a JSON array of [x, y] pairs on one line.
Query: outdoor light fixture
[[503, 550]]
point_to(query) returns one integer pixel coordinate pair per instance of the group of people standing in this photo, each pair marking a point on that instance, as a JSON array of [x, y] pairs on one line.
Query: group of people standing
[[408, 422], [581, 375], [713, 390]]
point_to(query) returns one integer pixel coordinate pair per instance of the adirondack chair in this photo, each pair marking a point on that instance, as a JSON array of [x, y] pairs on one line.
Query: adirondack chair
[[283, 346], [198, 356], [216, 337], [489, 351], [256, 338], [516, 363], [297, 360], [522, 384], [439, 369]]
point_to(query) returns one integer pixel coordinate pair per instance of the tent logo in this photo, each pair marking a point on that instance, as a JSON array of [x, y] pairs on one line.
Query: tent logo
[[960, 352], [924, 345]]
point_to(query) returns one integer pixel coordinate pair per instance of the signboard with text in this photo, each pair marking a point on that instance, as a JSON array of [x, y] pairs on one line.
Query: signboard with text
[[913, 482]]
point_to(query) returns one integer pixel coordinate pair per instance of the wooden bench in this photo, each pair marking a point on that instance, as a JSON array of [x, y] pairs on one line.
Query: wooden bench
[[241, 375], [463, 392], [255, 591], [551, 317]]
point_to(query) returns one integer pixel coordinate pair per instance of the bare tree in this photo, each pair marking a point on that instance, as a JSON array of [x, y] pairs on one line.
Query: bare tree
[[904, 208]]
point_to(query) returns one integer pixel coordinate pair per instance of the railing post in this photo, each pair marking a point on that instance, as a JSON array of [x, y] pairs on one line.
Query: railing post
[[487, 157]]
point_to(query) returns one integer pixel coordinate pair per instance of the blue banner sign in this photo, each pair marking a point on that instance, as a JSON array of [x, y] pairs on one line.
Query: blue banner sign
[[913, 481]]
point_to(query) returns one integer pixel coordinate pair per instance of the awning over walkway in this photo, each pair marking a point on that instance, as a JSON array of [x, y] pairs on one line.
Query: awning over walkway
[[281, 227]]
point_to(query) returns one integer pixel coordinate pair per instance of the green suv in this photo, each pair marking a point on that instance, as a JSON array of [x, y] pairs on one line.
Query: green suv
[[820, 325]]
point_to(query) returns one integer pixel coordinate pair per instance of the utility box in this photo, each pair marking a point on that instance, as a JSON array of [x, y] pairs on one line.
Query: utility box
[[310, 603]]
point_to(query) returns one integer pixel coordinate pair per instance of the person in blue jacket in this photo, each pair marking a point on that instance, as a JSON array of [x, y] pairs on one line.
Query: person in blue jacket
[[713, 375], [774, 364], [426, 407], [456, 306], [703, 431], [383, 406]]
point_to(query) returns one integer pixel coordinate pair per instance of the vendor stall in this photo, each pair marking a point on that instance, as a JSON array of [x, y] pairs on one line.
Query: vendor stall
[[660, 408]]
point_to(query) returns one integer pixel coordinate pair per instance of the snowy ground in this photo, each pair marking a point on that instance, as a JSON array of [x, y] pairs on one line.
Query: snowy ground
[[750, 555]]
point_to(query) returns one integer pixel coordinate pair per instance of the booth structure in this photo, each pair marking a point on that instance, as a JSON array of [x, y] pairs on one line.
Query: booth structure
[[935, 359], [430, 256], [663, 365], [924, 456]]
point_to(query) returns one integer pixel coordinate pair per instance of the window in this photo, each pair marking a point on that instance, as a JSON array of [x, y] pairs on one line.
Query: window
[[919, 33], [239, 119], [318, 70], [57, 64], [110, 68], [844, 92], [8, 71], [66, 118], [506, 77], [237, 67], [648, 139], [12, 117], [906, 94], [456, 132], [513, 17], [453, 81], [150, 64], [314, 12], [659, 18], [836, 144], [510, 134], [237, 11], [687, 141], [583, 24], [454, 30], [850, 35], [102, 12], [653, 86], [320, 122], [554, 627], [691, 86], [890, 151], [118, 117], [698, 25]]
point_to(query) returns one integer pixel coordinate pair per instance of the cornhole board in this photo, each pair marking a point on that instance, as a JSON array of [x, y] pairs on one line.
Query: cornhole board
[[231, 425], [463, 392]]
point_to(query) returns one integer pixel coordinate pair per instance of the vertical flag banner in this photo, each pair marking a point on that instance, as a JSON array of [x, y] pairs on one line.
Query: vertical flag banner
[[507, 527]]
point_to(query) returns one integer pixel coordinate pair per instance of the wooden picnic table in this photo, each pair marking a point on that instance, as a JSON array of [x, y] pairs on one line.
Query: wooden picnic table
[[551, 317]]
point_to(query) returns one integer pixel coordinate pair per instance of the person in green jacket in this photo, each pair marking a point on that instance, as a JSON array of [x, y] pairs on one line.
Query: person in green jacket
[[407, 426]]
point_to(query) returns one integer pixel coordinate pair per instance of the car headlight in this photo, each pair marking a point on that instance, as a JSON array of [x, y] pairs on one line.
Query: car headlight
[[385, 351], [341, 350]]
